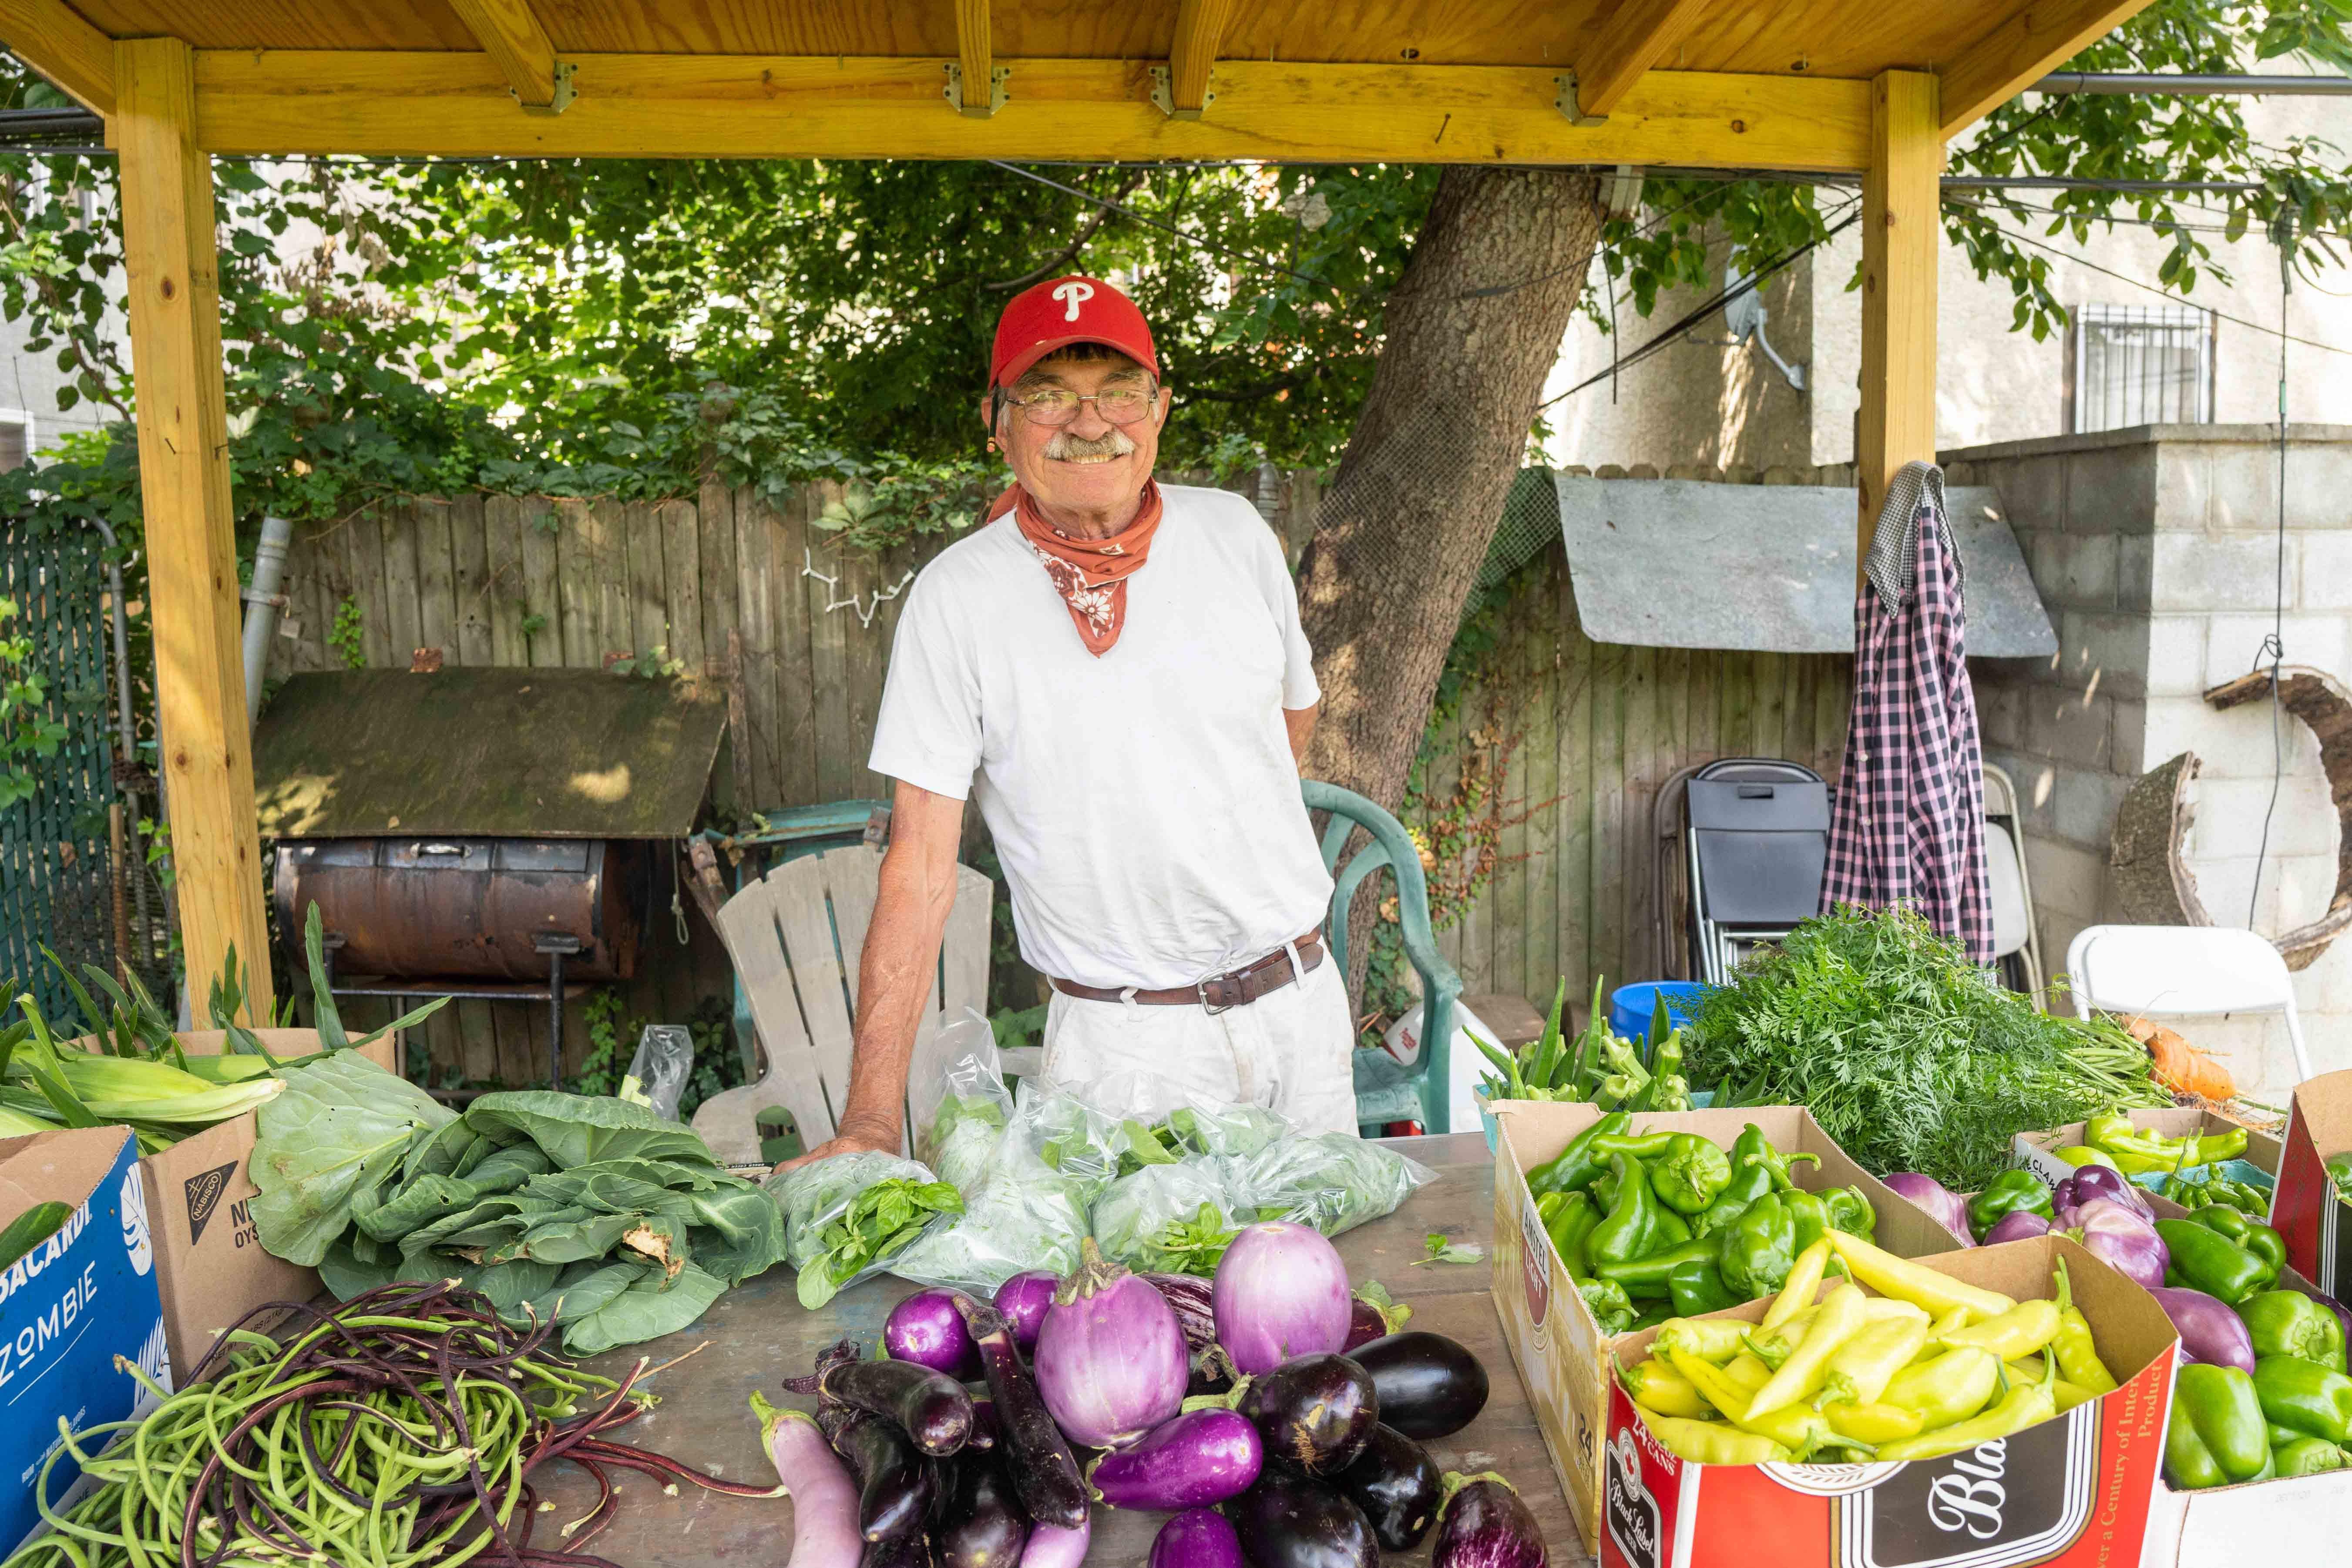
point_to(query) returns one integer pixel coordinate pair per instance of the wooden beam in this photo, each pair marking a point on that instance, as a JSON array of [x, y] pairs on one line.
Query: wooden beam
[[1633, 38], [976, 55], [1902, 227], [1200, 28], [2020, 51], [509, 33], [55, 41], [171, 266], [668, 106]]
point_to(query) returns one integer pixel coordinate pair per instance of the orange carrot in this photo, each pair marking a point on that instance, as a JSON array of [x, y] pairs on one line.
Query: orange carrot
[[2184, 1069]]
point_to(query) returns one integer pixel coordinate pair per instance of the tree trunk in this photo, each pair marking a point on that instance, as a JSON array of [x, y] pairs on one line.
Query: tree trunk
[[1471, 331]]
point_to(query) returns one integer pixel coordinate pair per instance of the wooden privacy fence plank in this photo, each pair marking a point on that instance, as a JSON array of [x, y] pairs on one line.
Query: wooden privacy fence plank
[[436, 586], [758, 591], [1572, 745], [681, 547], [503, 588], [371, 586], [830, 628], [1539, 923], [578, 532], [539, 592], [793, 693], [649, 626], [615, 617], [470, 560]]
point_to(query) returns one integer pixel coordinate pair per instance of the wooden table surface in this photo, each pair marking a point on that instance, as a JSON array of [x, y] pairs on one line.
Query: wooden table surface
[[758, 1334]]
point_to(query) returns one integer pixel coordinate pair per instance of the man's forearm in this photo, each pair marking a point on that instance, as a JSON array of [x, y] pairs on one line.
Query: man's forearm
[[894, 976]]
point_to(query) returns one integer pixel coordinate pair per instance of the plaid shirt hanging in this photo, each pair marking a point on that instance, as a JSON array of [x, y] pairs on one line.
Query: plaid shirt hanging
[[1907, 825]]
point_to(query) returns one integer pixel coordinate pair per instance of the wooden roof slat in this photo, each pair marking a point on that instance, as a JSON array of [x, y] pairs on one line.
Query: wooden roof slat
[[973, 48], [58, 44], [1633, 37], [510, 35], [2020, 51], [1200, 29]]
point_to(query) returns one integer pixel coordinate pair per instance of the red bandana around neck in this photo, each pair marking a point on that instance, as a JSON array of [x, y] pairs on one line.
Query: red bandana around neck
[[1089, 573]]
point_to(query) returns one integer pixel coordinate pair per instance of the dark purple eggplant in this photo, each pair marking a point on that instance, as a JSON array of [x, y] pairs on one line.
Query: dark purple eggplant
[[1430, 1386], [1485, 1525], [1197, 1538], [1287, 1522], [1189, 1461], [983, 1424], [1371, 1315], [1315, 1413], [1190, 1298], [930, 1407], [896, 1492], [983, 1526], [1044, 1473], [1397, 1485], [904, 1552]]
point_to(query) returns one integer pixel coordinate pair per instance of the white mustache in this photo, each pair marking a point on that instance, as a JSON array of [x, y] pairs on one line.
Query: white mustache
[[1111, 443]]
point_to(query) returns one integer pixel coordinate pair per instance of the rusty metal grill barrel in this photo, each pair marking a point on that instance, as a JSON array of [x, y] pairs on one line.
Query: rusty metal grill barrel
[[472, 907]]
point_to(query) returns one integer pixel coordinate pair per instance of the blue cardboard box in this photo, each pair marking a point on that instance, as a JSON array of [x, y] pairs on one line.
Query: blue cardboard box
[[71, 1307]]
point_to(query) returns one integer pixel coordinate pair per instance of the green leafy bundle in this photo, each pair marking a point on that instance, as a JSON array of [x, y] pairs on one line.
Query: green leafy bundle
[[880, 1222], [618, 1226], [1911, 1057]]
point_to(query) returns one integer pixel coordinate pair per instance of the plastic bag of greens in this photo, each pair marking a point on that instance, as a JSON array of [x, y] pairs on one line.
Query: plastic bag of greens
[[1069, 1135], [1028, 1208], [1161, 1116], [846, 1217], [1332, 1181], [973, 1112], [1167, 1219]]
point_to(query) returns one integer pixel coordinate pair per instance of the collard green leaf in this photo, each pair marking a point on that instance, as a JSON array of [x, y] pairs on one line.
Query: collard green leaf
[[578, 1129], [584, 1289], [650, 1308], [422, 1201], [738, 1232], [581, 1239], [345, 1274], [504, 1170], [341, 1123]]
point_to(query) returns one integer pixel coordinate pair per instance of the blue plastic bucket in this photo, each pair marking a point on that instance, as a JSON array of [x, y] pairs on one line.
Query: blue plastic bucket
[[1630, 1007]]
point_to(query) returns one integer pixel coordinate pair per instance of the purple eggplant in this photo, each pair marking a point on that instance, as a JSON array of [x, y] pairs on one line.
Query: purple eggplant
[[913, 1551], [1024, 1299], [1397, 1485], [931, 1407], [927, 1330], [1051, 1546], [1487, 1526], [2098, 1181], [1428, 1386], [1044, 1473], [896, 1492], [1197, 1538], [2016, 1224], [982, 1525], [1314, 1413], [1110, 1359], [1372, 1315], [1200, 1457], [2119, 1238], [2209, 1331], [1942, 1204], [1281, 1291], [1191, 1299], [1287, 1522]]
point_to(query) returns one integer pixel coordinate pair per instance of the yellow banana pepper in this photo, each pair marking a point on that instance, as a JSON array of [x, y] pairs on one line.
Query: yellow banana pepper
[[1778, 1346], [1906, 1281], [2031, 1369], [1874, 1423], [1713, 1443], [1867, 1363], [2078, 1358], [1792, 1427], [1749, 1372], [1952, 1387], [2028, 1404], [1804, 1284], [1714, 1340], [1834, 1326], [2024, 1330], [1950, 1323], [1659, 1388]]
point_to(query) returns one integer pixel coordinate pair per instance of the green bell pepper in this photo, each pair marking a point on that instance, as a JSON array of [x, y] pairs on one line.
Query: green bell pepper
[[2209, 1261], [1658, 1312], [2251, 1233], [2281, 1436], [1686, 1170], [1696, 1288], [1630, 1230], [1571, 1220], [1608, 1303], [1759, 1247], [2305, 1395], [1748, 1183], [1752, 1148], [1811, 1212], [2217, 1438], [2290, 1323], [1646, 1277], [2306, 1457], [1576, 1165], [1850, 1212], [2011, 1191]]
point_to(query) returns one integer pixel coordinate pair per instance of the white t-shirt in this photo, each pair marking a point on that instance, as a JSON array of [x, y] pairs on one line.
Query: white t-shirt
[[1145, 803]]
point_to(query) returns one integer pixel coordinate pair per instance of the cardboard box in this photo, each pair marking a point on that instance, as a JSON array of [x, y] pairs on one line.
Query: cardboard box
[[2315, 1222], [1555, 1341], [211, 1265], [2075, 1491], [2303, 1519], [71, 1306], [2031, 1150]]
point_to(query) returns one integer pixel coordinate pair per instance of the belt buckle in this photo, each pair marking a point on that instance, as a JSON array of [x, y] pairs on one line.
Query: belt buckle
[[1209, 1008]]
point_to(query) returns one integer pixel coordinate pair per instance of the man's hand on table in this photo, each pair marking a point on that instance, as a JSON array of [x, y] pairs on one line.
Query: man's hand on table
[[844, 1142]]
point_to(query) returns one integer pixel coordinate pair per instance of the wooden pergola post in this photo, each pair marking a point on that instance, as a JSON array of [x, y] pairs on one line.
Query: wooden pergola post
[[169, 256], [1901, 230]]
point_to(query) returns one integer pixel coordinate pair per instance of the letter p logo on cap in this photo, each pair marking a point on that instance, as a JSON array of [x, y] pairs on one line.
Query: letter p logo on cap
[[1044, 318], [1077, 293]]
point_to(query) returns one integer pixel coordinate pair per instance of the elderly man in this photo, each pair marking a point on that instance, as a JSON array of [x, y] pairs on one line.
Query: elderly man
[[1115, 669]]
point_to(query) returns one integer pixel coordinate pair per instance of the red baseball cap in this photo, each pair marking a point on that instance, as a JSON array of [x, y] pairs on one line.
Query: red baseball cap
[[1065, 311]]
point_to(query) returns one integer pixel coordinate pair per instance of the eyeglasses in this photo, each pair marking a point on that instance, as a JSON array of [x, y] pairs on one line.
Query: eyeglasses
[[1055, 405]]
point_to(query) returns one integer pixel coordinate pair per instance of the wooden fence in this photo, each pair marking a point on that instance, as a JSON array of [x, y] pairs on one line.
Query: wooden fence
[[531, 581]]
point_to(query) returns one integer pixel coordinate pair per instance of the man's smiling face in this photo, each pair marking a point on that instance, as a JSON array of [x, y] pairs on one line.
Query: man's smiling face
[[1090, 470]]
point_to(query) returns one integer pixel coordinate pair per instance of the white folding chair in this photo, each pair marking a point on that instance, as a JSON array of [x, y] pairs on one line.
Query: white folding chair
[[2014, 941], [2183, 971]]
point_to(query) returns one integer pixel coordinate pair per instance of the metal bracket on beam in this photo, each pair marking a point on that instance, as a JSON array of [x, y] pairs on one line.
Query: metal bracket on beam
[[997, 95], [1568, 108], [1164, 96], [564, 92]]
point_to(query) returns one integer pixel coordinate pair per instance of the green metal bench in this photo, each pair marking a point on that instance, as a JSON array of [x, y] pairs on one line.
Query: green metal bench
[[1386, 1089]]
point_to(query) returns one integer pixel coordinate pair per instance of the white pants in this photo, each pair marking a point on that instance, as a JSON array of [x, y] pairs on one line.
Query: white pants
[[1290, 1051]]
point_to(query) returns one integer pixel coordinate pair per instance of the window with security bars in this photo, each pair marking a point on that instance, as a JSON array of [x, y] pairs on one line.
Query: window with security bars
[[2139, 364]]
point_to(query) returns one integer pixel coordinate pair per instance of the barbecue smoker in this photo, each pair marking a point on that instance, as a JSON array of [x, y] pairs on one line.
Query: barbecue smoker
[[487, 834]]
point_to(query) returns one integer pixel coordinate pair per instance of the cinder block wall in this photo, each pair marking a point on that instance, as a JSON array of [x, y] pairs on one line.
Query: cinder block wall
[[2156, 553]]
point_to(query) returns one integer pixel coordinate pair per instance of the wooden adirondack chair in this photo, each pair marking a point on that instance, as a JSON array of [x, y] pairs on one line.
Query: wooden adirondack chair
[[794, 936]]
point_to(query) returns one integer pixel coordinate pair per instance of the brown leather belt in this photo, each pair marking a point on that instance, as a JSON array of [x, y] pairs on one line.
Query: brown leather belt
[[1235, 988]]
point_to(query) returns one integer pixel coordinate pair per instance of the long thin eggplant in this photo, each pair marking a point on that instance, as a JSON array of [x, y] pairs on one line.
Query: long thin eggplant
[[1050, 1546], [1044, 1473], [983, 1526], [825, 1497], [896, 1489], [1430, 1386], [930, 1407], [1194, 1459], [1397, 1485], [1197, 1538], [1315, 1413], [1485, 1525], [1286, 1522]]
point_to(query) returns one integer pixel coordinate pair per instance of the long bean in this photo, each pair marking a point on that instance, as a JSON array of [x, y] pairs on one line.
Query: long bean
[[398, 1431]]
